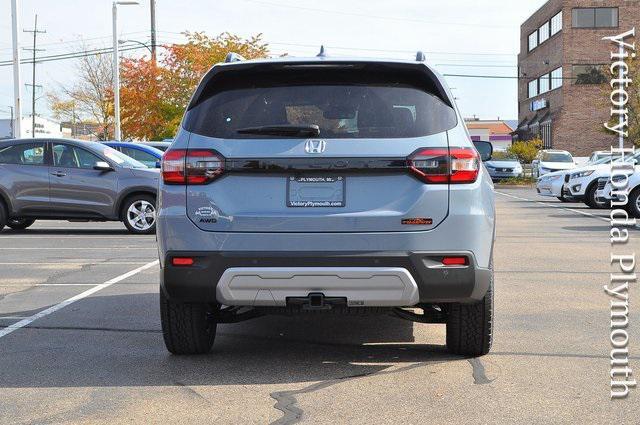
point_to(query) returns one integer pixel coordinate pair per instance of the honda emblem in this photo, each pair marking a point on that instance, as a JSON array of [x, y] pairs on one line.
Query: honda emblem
[[315, 146]]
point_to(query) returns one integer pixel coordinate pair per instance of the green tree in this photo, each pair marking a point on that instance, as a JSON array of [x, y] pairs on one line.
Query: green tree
[[526, 151]]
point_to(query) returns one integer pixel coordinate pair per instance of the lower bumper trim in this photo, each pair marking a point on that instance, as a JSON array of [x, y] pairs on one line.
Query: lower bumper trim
[[361, 286]]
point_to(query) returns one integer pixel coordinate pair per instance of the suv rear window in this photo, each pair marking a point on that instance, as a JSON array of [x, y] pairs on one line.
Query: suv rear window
[[343, 109]]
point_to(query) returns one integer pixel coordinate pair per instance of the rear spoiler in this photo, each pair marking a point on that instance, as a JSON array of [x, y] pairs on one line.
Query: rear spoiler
[[235, 65]]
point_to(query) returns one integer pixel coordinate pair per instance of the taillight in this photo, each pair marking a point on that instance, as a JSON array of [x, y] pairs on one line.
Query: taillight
[[465, 165], [203, 166], [442, 165], [191, 166], [172, 166]]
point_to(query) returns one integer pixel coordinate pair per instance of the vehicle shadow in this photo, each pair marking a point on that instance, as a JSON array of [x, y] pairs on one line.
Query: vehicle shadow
[[117, 341]]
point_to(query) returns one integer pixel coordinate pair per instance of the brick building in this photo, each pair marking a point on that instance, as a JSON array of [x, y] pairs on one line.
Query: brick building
[[563, 95]]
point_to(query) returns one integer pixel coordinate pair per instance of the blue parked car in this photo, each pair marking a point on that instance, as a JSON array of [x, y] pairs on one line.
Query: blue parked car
[[147, 155]]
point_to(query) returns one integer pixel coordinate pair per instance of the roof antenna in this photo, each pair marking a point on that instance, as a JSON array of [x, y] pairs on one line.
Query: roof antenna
[[233, 57], [322, 53], [420, 56]]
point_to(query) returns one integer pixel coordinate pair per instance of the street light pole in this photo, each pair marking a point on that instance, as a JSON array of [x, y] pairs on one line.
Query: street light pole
[[116, 74], [153, 30], [116, 69], [17, 84]]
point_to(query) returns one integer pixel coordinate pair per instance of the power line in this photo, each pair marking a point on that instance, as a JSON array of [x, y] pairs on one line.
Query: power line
[[72, 55], [370, 49], [387, 18]]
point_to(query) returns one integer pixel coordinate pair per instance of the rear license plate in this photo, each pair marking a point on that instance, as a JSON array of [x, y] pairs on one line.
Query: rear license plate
[[315, 191]]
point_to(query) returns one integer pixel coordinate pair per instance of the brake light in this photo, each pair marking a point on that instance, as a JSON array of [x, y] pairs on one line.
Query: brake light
[[442, 165], [191, 166]]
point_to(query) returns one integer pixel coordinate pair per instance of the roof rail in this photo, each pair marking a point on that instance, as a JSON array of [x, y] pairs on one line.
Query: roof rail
[[233, 57], [420, 56]]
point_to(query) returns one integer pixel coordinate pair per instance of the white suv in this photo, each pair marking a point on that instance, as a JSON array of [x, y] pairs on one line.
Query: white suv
[[550, 160]]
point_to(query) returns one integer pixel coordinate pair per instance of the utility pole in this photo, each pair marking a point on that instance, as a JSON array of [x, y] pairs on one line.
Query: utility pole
[[33, 85], [153, 30], [17, 84]]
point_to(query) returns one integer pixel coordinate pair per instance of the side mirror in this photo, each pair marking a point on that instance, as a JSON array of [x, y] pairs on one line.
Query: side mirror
[[485, 149], [102, 166]]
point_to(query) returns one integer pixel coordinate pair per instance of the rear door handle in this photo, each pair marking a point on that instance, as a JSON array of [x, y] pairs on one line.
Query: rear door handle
[[58, 174]]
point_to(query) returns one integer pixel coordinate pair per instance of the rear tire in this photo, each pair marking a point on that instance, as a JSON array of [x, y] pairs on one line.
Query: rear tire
[[187, 328], [139, 214], [633, 204], [19, 223], [470, 326], [3, 215]]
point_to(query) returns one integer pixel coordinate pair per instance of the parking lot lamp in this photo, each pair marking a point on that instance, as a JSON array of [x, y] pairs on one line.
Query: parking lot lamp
[[116, 67]]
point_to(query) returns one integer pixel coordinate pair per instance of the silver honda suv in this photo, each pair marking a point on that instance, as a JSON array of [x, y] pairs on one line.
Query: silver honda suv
[[325, 185], [45, 179]]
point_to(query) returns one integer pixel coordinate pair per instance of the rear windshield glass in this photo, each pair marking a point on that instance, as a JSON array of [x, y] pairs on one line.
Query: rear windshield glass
[[556, 157], [340, 110]]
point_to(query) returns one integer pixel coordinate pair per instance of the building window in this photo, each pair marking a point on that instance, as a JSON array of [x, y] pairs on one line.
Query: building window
[[588, 74], [543, 85], [556, 24], [533, 40], [556, 78], [546, 31], [543, 33], [533, 88], [601, 17], [607, 17]]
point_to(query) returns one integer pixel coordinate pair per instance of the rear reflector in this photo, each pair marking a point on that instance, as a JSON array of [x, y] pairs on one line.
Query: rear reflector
[[445, 165], [455, 261], [182, 261]]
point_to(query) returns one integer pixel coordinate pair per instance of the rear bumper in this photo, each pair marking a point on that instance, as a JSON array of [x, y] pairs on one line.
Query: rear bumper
[[376, 279]]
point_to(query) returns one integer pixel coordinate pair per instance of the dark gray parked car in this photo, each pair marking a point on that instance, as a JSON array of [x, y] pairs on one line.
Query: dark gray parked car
[[74, 180]]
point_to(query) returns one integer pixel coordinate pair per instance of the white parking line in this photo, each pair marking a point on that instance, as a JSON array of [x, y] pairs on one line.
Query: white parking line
[[87, 236], [77, 248], [25, 322], [27, 285], [554, 206], [88, 263]]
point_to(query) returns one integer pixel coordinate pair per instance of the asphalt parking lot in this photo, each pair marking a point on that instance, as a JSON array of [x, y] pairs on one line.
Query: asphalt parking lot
[[101, 359]]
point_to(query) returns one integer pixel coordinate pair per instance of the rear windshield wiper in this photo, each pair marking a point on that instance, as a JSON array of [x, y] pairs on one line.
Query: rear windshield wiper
[[282, 130]]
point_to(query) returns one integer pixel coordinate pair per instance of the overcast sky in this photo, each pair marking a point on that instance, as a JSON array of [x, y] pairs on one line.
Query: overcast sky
[[470, 37]]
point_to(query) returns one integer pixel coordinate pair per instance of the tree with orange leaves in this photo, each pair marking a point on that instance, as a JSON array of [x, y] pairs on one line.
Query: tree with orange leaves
[[153, 96]]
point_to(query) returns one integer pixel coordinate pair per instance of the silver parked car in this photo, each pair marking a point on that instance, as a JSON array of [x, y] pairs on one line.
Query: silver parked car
[[320, 185], [74, 180], [504, 166]]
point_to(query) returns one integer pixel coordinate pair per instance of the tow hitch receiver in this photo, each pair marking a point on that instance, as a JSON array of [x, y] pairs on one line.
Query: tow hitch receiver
[[316, 301]]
